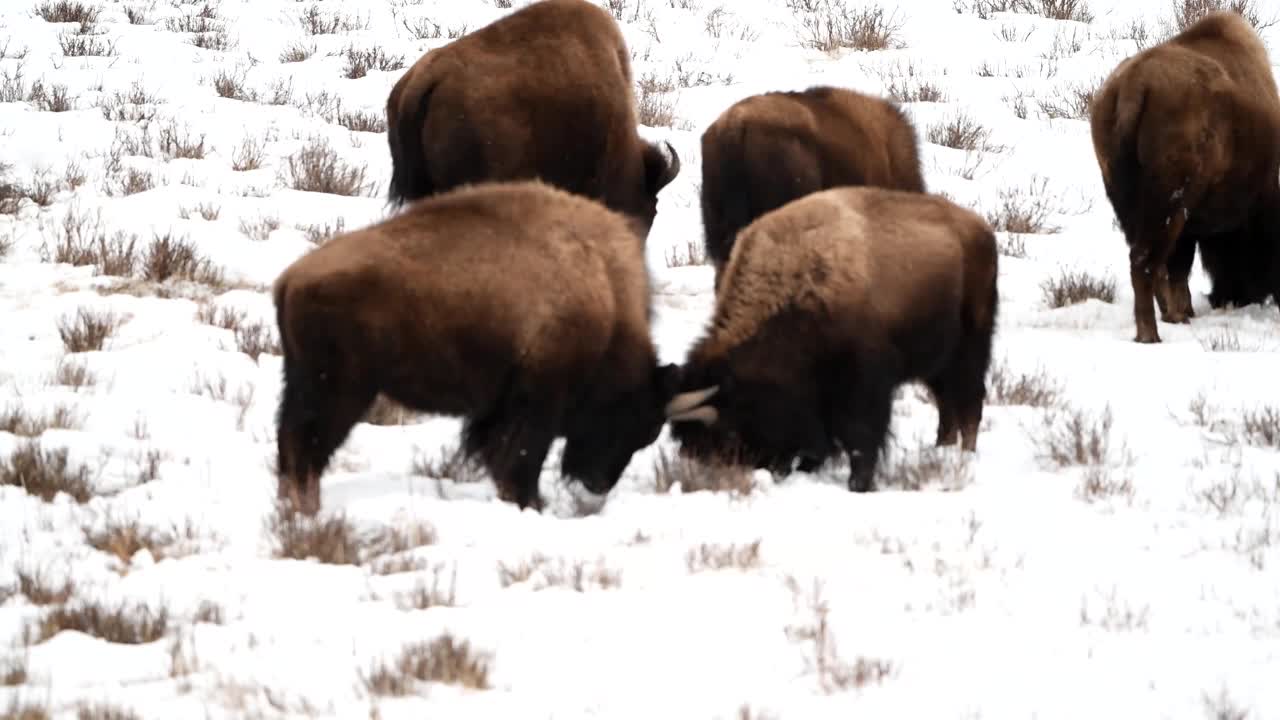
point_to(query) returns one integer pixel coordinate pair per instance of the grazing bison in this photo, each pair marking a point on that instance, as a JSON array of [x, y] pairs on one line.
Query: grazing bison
[[769, 149], [424, 308], [545, 92], [826, 306], [1187, 136]]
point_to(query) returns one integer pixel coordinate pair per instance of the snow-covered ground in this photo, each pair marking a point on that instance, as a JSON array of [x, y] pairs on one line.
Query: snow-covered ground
[[1073, 568]]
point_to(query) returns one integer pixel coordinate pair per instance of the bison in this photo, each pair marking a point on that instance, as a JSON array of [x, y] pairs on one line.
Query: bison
[[1187, 138], [826, 306], [424, 308], [767, 150], [544, 92]]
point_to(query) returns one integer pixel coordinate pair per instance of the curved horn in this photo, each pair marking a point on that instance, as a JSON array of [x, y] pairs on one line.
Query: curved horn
[[706, 415], [689, 400], [674, 165]]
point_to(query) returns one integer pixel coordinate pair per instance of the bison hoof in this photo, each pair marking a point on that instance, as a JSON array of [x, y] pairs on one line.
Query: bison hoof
[[1146, 338], [1176, 318]]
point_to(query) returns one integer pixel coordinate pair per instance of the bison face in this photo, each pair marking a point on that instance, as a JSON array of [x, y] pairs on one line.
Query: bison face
[[763, 424], [600, 445]]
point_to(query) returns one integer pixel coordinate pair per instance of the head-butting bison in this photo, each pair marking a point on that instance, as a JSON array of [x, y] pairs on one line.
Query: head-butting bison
[[766, 150], [1187, 136], [544, 92], [826, 306], [461, 306]]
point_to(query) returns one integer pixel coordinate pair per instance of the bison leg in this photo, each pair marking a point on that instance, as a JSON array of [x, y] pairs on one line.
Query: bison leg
[[1148, 258], [948, 423], [1177, 305], [861, 418], [317, 411], [513, 442]]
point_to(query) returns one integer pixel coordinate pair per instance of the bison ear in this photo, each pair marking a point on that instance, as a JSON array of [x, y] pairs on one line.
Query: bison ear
[[661, 166]]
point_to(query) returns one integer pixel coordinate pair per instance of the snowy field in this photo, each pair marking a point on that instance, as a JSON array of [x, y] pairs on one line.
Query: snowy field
[[1112, 550]]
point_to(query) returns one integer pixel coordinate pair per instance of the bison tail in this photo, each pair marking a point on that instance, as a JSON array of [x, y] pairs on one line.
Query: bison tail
[[406, 118], [726, 194], [1125, 181]]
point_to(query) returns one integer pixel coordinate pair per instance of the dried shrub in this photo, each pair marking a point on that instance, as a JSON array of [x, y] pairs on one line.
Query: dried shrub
[[387, 412], [317, 168], [542, 572], [424, 596], [1024, 211], [903, 90], [723, 557], [297, 52], [333, 540], [360, 62], [176, 257], [249, 155], [1070, 287], [1261, 426], [1187, 12], [671, 470], [254, 339], [443, 660], [127, 625], [46, 473], [833, 672], [831, 25], [81, 240], [68, 11], [654, 106], [175, 144], [1072, 102], [17, 420], [123, 539], [315, 22], [451, 463], [936, 467], [88, 330], [361, 121], [1102, 482], [40, 590], [961, 132], [687, 254], [1037, 389], [1071, 436]]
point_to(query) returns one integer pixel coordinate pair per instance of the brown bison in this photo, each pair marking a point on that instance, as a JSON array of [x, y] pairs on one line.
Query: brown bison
[[425, 308], [1187, 136], [545, 92], [769, 149], [826, 306]]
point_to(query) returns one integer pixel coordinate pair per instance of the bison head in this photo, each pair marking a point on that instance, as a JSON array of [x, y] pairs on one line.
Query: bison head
[[600, 443], [755, 422], [661, 166]]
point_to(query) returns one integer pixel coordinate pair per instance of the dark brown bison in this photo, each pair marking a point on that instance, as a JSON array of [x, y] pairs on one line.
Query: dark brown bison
[[1187, 136], [826, 306], [767, 150], [545, 92], [460, 306]]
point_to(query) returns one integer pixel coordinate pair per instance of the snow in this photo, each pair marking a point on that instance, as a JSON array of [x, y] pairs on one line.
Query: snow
[[1143, 586]]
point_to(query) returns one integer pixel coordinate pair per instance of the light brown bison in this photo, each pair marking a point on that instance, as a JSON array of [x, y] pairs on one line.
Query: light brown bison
[[767, 150], [826, 306], [545, 92], [517, 306], [1187, 136]]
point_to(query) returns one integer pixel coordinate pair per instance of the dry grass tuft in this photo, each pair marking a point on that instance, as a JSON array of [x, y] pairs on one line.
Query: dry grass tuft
[[688, 254], [19, 421], [654, 104], [46, 473], [1037, 389], [723, 557], [19, 710], [1070, 287], [833, 672], [13, 673], [961, 132], [387, 412], [1071, 436], [38, 589], [335, 540], [360, 62], [317, 168], [443, 660], [123, 539], [671, 470], [831, 25], [543, 573], [1187, 12], [134, 625], [449, 464], [68, 11], [1024, 210], [424, 596], [103, 711], [1261, 426], [88, 330], [942, 468]]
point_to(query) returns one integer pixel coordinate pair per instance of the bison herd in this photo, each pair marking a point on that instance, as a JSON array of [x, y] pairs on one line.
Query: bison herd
[[510, 289]]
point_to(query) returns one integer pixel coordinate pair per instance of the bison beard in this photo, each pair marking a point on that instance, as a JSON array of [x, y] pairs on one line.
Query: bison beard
[[827, 306]]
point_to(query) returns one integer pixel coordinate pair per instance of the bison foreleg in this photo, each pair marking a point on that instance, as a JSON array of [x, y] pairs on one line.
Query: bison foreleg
[[1177, 308], [948, 423], [862, 423], [317, 411], [513, 444]]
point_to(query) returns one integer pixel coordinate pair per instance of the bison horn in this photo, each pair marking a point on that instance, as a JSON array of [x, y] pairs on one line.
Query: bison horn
[[674, 156], [689, 400], [706, 415]]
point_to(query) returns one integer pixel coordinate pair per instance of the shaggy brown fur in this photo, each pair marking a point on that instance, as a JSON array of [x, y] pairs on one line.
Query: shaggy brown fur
[[826, 306], [1187, 136], [545, 92], [424, 308], [767, 150]]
